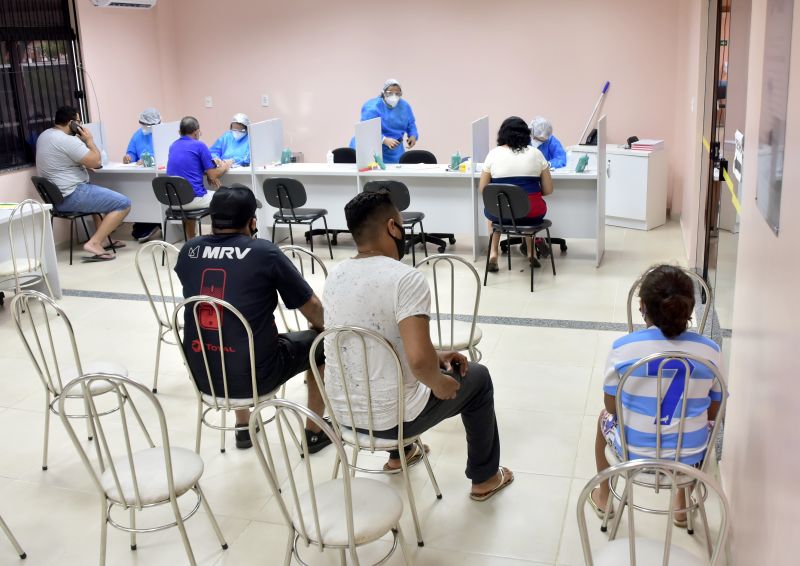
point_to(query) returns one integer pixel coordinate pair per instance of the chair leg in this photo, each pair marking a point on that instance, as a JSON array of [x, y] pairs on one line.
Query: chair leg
[[401, 541], [133, 526], [355, 462], [13, 539], [287, 560], [273, 231], [530, 261], [434, 483], [342, 557], [291, 235], [422, 238], [103, 531], [689, 513], [158, 360], [222, 432], [72, 228], [336, 467], [328, 236], [552, 257], [488, 255], [185, 235], [182, 528], [413, 505], [211, 517], [46, 430], [199, 430], [413, 247]]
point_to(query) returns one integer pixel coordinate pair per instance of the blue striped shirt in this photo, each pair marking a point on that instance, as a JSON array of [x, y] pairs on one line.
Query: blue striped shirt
[[639, 399]]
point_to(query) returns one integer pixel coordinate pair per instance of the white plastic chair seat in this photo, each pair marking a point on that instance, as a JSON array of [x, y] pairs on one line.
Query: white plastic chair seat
[[98, 387], [664, 480], [236, 403], [349, 437], [648, 552], [376, 509], [461, 331], [151, 475], [7, 266]]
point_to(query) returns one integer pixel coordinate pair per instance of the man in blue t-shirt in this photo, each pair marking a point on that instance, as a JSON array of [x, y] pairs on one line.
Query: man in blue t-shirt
[[190, 158], [141, 143], [248, 273]]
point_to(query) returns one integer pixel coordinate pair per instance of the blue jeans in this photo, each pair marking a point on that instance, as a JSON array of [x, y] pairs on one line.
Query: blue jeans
[[92, 199]]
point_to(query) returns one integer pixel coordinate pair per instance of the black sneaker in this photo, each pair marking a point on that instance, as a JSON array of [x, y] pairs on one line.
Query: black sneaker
[[149, 234], [316, 441], [535, 262], [243, 441]]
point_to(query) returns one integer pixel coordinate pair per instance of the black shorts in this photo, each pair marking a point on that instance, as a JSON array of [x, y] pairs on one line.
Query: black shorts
[[291, 358]]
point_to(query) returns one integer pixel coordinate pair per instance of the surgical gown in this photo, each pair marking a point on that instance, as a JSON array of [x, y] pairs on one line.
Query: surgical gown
[[226, 147], [394, 123], [554, 152], [139, 144]]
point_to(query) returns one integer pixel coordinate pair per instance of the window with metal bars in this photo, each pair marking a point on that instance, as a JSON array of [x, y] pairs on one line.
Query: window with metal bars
[[38, 50]]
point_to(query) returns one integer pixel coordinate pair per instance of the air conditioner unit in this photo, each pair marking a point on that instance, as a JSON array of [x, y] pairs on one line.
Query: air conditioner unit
[[141, 4]]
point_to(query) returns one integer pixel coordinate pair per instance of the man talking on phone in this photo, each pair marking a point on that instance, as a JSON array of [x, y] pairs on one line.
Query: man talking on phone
[[63, 155], [249, 273]]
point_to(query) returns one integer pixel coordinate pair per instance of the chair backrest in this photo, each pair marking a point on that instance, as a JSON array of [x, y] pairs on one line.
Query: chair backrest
[[48, 190], [205, 318], [621, 551], [672, 399], [284, 193], [347, 351], [290, 421], [418, 156], [118, 435], [173, 191], [440, 296], [27, 227], [506, 201], [695, 276], [303, 259], [398, 192], [47, 336], [344, 155], [154, 265]]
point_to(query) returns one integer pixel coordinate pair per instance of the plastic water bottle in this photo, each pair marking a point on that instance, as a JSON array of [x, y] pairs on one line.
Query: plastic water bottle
[[103, 157], [329, 157]]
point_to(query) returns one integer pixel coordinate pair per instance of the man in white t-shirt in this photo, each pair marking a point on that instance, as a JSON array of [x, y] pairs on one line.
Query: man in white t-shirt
[[374, 290], [63, 155]]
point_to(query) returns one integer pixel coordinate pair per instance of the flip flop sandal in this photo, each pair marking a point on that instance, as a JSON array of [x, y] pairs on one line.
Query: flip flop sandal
[[98, 257], [504, 482], [493, 267], [117, 244], [415, 457], [600, 513]]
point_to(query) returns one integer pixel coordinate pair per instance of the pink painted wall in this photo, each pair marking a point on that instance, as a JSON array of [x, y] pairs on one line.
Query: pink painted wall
[[456, 60], [761, 457]]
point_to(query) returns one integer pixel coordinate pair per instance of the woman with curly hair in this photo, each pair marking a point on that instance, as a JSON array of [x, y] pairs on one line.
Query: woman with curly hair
[[516, 162]]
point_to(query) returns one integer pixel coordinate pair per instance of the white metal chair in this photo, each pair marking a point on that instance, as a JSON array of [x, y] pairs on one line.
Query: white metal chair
[[22, 554], [154, 265], [448, 333], [300, 257], [709, 294], [26, 236], [356, 385], [211, 343], [132, 478], [343, 513], [48, 338], [676, 364], [639, 550]]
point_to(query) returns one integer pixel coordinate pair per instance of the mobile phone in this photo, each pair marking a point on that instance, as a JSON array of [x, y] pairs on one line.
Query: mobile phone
[[75, 128], [455, 370], [212, 284]]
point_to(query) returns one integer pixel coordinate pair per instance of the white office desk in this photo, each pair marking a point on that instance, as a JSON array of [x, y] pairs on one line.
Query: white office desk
[[136, 183], [49, 259]]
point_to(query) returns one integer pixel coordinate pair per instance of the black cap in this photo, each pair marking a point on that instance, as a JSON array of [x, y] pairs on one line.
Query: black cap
[[233, 207]]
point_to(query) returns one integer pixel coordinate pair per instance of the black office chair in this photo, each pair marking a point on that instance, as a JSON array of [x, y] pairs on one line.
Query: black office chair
[[398, 192], [50, 194], [510, 204], [175, 192], [413, 156], [288, 196], [344, 155]]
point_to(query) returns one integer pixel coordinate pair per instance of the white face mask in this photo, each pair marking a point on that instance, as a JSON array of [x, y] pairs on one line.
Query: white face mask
[[392, 100], [237, 134], [147, 130], [535, 142]]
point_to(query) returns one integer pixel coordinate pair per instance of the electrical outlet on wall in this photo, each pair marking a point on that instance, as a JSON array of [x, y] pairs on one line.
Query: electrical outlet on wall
[[209, 102], [264, 100]]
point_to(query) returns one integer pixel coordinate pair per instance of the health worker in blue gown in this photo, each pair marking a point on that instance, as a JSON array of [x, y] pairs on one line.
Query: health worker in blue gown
[[234, 145], [397, 120], [141, 142], [542, 138]]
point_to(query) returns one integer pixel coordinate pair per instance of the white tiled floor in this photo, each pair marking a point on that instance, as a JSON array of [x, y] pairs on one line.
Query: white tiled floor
[[547, 383]]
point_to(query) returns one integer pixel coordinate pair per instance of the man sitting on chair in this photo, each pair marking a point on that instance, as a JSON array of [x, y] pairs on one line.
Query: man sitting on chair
[[231, 264], [374, 290]]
